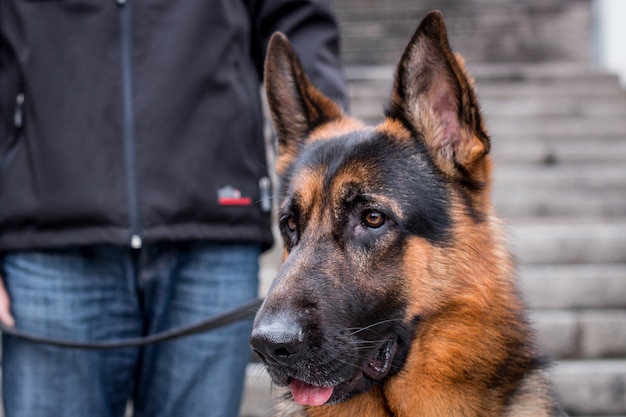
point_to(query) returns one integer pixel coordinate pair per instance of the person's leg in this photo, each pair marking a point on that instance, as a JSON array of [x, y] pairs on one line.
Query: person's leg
[[199, 375], [77, 294]]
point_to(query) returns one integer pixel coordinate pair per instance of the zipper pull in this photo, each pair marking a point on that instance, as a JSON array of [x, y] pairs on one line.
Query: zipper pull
[[266, 199], [136, 242], [18, 116]]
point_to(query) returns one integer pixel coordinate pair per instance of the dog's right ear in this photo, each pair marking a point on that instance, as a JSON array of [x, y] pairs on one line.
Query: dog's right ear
[[434, 94], [297, 107]]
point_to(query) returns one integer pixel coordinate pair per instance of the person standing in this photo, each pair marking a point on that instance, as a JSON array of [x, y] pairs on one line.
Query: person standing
[[134, 193]]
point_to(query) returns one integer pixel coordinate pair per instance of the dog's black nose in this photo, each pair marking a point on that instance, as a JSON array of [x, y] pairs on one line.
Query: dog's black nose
[[278, 340]]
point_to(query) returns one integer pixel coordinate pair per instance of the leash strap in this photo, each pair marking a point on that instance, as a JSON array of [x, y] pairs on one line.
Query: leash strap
[[244, 311]]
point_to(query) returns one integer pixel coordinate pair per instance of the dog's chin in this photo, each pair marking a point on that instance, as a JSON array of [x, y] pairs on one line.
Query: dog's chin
[[310, 389]]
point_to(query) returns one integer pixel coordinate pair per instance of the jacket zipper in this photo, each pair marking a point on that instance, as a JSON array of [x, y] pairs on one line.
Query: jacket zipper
[[128, 124]]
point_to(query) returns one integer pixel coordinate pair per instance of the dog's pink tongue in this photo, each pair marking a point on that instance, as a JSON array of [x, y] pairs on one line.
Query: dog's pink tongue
[[306, 394]]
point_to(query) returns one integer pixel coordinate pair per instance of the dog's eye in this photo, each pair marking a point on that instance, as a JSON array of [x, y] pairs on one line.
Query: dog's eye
[[289, 230], [291, 223], [373, 219]]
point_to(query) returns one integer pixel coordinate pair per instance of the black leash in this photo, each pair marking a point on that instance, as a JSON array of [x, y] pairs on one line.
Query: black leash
[[244, 311]]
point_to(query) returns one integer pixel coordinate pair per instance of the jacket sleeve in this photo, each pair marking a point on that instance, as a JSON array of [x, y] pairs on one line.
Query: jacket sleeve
[[312, 29]]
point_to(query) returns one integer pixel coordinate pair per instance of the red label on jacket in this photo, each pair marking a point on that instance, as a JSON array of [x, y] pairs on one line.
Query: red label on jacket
[[231, 196]]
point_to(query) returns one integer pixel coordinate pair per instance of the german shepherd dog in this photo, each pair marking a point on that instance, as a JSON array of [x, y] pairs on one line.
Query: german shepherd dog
[[396, 296]]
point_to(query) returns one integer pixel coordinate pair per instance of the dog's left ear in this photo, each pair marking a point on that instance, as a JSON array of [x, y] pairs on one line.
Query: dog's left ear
[[435, 96], [297, 107]]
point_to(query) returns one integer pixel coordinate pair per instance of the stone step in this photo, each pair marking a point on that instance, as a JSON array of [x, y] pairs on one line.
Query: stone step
[[522, 190], [568, 241], [581, 334], [591, 387], [526, 150], [551, 203], [560, 189], [610, 177], [575, 286], [511, 106], [558, 127], [585, 388], [552, 88], [546, 72]]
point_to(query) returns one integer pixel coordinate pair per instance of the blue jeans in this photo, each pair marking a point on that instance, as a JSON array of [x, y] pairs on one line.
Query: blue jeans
[[106, 293]]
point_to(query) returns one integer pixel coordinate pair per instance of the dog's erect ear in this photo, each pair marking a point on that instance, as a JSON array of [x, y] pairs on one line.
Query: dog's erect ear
[[297, 107], [434, 95]]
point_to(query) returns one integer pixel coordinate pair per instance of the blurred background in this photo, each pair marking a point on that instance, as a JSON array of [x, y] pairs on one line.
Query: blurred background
[[551, 77]]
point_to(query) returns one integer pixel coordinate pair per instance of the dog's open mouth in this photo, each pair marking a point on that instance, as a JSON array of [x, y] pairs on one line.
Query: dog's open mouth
[[308, 394], [375, 369]]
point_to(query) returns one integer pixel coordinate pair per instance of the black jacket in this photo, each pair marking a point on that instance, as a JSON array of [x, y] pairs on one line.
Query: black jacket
[[127, 121]]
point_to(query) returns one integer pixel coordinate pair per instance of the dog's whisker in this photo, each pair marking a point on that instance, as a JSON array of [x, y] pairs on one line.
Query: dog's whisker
[[378, 323]]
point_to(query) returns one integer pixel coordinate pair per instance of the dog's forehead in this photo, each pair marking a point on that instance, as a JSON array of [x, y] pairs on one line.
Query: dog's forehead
[[333, 163], [373, 161]]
